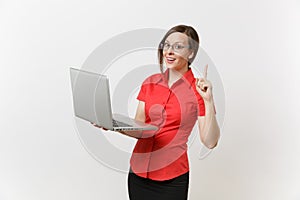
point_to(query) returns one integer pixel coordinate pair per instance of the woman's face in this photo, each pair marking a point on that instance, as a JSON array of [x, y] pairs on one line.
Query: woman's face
[[176, 51]]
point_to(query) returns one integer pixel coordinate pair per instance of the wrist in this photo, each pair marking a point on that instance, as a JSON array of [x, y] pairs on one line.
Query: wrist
[[209, 107], [209, 102]]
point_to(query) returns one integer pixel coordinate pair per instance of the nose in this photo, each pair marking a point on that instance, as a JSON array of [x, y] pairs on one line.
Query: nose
[[170, 50]]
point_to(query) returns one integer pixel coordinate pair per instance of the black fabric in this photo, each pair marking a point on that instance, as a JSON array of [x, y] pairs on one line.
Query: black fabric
[[146, 189]]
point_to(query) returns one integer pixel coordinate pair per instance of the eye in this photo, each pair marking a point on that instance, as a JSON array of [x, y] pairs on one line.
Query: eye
[[178, 46], [166, 45]]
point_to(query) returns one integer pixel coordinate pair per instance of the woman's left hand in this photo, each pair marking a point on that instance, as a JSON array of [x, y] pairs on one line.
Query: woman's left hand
[[204, 86]]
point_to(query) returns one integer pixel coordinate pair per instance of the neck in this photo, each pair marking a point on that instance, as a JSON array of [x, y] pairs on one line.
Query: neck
[[175, 75]]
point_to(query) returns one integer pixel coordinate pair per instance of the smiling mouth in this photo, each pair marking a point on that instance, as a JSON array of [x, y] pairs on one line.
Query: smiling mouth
[[170, 60]]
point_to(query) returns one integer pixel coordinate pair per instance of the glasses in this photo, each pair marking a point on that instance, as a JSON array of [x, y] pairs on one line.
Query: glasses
[[176, 47]]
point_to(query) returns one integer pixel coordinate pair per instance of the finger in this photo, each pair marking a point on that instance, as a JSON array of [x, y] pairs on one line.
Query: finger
[[203, 87], [201, 92], [205, 71], [199, 81], [94, 124], [202, 84]]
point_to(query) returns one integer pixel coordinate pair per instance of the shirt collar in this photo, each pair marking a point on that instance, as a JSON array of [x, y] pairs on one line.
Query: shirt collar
[[187, 77]]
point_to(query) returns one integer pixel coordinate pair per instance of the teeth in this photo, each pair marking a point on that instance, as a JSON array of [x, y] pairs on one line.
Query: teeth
[[171, 59]]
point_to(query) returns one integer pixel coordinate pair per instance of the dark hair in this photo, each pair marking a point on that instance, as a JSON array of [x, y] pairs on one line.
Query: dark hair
[[193, 42]]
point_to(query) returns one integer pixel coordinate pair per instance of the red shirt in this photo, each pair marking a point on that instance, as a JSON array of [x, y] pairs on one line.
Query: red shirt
[[174, 110]]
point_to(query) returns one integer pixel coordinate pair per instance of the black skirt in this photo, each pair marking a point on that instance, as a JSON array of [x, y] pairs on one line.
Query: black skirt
[[146, 189]]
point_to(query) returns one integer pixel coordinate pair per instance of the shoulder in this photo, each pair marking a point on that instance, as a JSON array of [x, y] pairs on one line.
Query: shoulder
[[155, 78], [148, 85]]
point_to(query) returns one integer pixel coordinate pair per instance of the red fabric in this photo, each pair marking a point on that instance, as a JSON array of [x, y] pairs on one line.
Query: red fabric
[[174, 110]]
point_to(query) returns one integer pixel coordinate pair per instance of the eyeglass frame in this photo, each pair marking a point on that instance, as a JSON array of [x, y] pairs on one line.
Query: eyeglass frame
[[162, 46]]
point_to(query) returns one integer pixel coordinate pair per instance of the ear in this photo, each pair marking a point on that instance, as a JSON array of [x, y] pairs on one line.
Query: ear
[[191, 55]]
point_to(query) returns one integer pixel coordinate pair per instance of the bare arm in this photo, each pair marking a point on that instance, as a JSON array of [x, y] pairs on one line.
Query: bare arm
[[139, 116], [208, 126], [140, 112]]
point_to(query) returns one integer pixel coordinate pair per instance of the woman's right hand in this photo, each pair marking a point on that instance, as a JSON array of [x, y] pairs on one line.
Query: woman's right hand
[[94, 124], [136, 134]]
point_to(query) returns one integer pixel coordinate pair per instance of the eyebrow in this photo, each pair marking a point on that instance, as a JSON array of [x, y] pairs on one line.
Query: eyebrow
[[175, 42]]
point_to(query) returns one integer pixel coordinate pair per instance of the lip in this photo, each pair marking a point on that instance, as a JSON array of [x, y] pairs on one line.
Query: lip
[[169, 59]]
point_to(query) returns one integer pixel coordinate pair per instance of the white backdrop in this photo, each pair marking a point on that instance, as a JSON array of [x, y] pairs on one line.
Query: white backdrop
[[254, 44]]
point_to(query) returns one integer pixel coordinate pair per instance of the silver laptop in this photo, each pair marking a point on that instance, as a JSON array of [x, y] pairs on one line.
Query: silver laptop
[[91, 101]]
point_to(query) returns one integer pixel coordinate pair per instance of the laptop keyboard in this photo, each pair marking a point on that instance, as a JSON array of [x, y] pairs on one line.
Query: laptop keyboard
[[120, 124]]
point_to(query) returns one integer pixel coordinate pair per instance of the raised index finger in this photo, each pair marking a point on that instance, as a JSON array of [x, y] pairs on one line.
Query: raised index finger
[[205, 71]]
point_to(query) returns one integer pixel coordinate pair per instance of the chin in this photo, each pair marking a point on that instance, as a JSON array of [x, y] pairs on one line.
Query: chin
[[171, 66]]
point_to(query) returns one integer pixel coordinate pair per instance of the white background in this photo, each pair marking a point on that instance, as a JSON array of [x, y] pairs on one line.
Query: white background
[[254, 44]]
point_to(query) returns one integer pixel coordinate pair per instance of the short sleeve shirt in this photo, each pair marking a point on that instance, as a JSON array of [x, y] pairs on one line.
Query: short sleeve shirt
[[174, 110]]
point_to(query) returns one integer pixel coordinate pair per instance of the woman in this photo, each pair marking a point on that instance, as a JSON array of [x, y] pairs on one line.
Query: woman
[[173, 100]]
